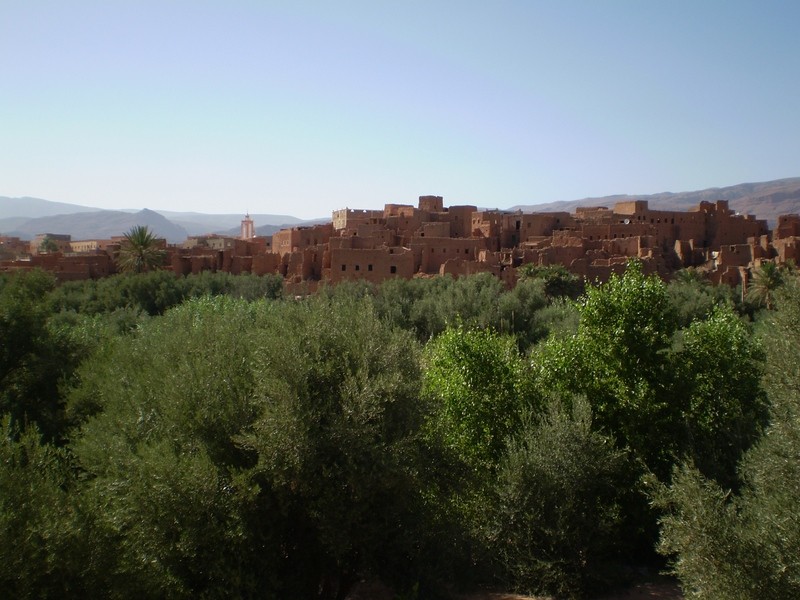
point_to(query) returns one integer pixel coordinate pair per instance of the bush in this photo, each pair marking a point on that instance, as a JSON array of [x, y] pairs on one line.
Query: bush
[[254, 449], [745, 545], [556, 516]]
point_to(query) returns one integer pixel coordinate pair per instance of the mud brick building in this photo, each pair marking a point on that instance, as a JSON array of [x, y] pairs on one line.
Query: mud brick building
[[428, 238]]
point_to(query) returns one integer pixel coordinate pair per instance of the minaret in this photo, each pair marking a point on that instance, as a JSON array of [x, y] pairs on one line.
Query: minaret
[[248, 229]]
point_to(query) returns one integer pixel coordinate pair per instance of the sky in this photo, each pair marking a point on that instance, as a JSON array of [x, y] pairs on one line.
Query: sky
[[300, 108]]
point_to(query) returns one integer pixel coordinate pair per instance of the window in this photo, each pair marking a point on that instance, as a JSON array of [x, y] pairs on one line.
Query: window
[[344, 267], [358, 267], [369, 267], [392, 269]]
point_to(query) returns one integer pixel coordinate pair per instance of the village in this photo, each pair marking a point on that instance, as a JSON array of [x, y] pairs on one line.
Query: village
[[431, 239]]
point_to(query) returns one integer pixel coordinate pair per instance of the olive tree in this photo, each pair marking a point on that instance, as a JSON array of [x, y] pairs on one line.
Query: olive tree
[[236, 448]]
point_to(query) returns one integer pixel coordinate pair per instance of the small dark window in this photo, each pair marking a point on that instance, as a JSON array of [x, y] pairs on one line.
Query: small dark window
[[393, 269], [358, 267], [344, 267], [369, 267]]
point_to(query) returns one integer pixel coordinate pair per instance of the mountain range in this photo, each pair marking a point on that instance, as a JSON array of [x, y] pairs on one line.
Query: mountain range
[[27, 217], [766, 200]]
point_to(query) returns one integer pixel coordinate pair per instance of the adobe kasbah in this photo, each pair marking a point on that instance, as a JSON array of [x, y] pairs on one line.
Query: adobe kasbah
[[431, 239]]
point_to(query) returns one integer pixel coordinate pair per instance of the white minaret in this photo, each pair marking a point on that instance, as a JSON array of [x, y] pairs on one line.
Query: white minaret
[[248, 228]]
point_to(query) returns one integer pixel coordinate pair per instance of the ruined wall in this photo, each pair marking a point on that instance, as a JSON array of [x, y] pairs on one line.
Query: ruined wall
[[431, 204], [519, 227], [436, 230], [431, 253], [264, 264], [373, 265], [788, 226], [295, 239], [460, 218], [787, 249], [736, 229], [734, 255], [405, 222], [347, 218]]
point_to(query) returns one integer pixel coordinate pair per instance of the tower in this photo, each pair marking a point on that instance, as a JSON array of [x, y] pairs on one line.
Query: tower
[[248, 228]]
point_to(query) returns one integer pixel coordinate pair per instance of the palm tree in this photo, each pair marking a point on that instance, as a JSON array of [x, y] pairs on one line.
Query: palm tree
[[691, 276], [140, 251], [766, 279]]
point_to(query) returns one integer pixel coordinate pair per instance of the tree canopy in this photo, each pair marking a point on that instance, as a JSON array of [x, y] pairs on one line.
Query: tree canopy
[[208, 436], [140, 251]]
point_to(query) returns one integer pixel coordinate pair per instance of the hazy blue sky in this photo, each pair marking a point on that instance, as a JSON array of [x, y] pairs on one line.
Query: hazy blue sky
[[303, 107]]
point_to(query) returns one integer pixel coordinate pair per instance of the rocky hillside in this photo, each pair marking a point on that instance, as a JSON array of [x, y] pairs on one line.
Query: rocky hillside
[[100, 224], [765, 200]]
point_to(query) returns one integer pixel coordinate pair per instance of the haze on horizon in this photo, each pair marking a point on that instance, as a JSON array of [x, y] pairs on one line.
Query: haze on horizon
[[304, 107]]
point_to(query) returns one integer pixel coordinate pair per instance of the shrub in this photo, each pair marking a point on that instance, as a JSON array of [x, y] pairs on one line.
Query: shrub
[[556, 516]]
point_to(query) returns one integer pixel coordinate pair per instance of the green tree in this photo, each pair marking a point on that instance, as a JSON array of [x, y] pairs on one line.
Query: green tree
[[520, 312], [140, 251], [719, 368], [39, 553], [694, 298], [475, 381], [663, 392], [48, 245], [235, 448], [619, 358], [766, 280], [34, 357], [556, 513], [744, 545], [558, 281]]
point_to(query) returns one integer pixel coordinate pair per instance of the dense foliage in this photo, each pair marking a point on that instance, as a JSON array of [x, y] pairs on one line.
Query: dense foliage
[[745, 545], [208, 436]]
